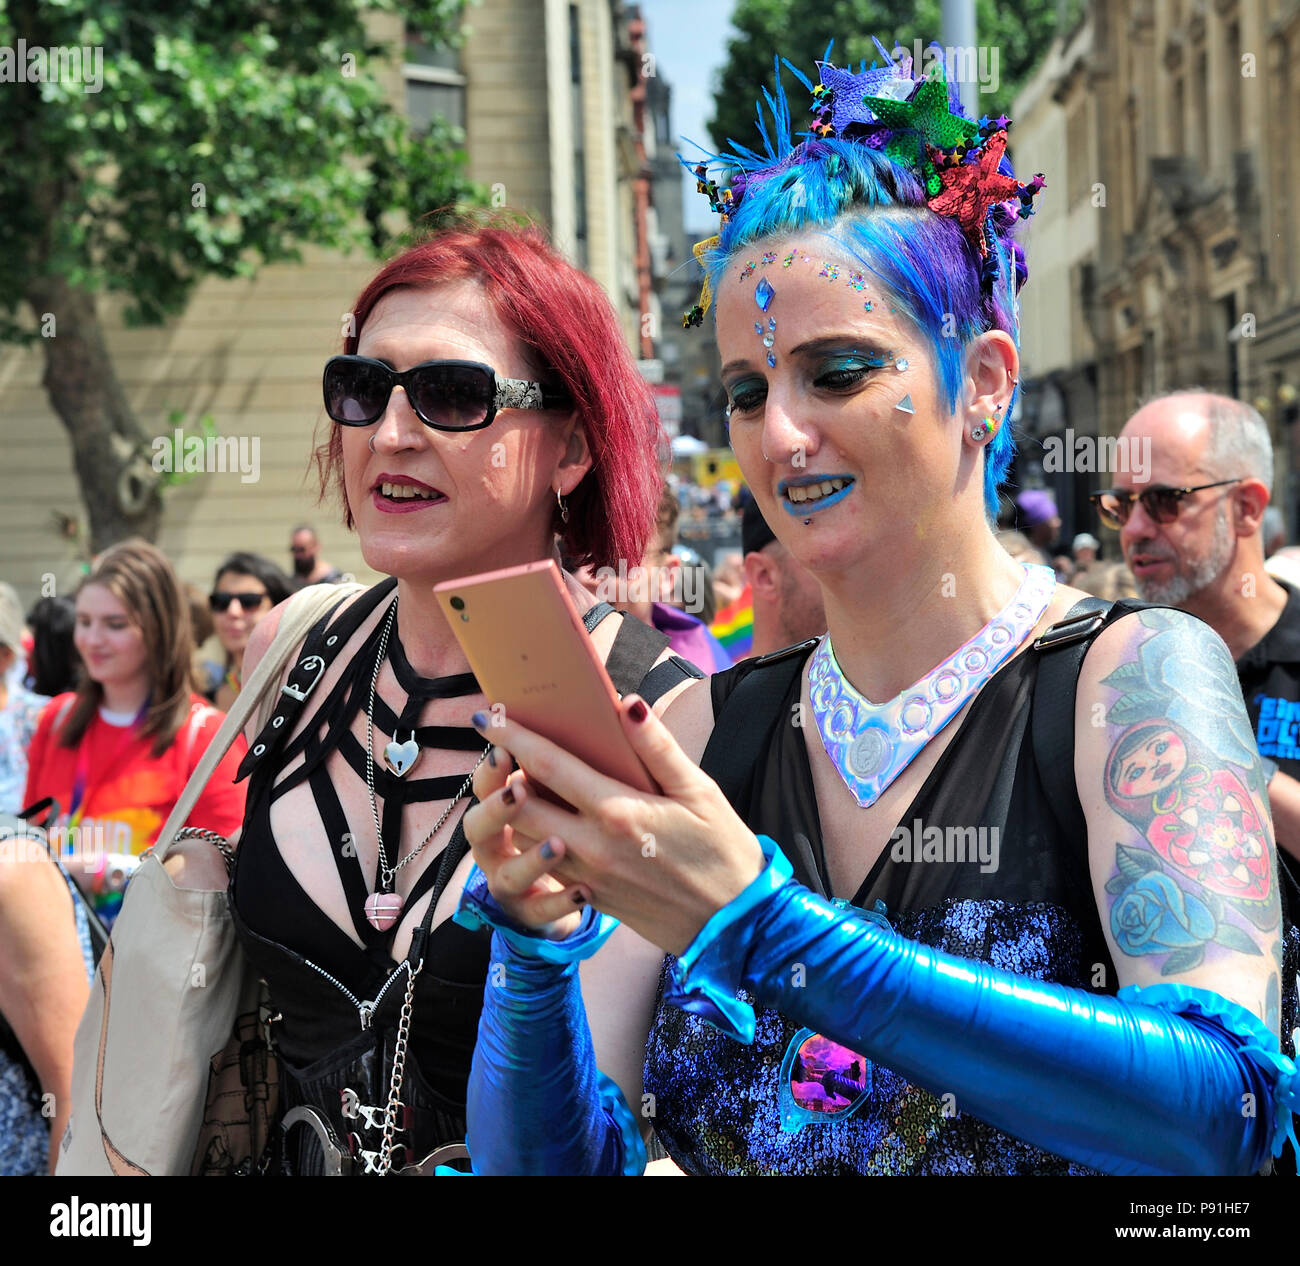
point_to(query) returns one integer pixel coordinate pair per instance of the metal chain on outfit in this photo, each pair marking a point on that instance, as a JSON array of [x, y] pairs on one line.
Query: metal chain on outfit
[[388, 873]]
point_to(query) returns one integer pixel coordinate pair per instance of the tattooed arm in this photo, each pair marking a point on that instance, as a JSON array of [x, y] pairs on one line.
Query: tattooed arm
[[1180, 839]]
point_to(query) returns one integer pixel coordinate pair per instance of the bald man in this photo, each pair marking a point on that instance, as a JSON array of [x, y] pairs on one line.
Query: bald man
[[1191, 535]]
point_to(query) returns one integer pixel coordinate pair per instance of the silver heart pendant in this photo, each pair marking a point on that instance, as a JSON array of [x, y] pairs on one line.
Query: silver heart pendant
[[400, 757]]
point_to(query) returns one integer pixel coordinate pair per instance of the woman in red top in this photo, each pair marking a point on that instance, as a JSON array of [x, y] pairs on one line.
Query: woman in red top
[[116, 752]]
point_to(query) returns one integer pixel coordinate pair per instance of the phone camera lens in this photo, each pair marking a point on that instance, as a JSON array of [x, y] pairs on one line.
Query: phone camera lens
[[458, 604]]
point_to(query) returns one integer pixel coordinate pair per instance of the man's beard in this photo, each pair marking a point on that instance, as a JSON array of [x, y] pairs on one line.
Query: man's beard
[[1192, 577], [302, 566]]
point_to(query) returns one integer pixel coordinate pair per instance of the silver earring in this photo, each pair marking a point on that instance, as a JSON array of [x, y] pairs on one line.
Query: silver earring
[[979, 432], [372, 443], [564, 510]]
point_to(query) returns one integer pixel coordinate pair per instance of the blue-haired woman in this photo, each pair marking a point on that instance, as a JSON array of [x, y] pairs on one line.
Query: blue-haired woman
[[912, 923]]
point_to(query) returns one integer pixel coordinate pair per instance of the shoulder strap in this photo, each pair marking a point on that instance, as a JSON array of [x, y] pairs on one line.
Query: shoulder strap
[[744, 725], [635, 649], [300, 613], [1061, 649]]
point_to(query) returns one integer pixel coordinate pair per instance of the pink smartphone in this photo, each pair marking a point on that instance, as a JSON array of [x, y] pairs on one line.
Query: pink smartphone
[[531, 653]]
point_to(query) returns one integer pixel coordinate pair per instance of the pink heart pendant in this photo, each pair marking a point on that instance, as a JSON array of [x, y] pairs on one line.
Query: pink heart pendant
[[383, 909]]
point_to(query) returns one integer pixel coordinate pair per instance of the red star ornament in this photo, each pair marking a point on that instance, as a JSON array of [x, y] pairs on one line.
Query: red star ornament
[[969, 189]]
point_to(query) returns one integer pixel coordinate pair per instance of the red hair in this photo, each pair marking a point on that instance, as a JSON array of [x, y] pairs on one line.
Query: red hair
[[566, 321]]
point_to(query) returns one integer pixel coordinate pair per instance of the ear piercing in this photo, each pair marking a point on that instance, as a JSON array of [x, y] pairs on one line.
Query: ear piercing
[[987, 429]]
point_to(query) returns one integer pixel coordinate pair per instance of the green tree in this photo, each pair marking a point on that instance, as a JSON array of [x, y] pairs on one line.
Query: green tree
[[1020, 30], [220, 136]]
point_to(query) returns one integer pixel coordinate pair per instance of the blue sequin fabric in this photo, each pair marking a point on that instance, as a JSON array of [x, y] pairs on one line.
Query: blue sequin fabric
[[716, 1102], [1028, 908]]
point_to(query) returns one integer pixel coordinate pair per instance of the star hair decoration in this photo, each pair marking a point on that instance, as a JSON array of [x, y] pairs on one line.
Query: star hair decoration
[[919, 124]]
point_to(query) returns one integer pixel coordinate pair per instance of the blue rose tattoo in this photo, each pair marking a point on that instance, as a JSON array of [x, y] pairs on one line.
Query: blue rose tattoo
[[1154, 915]]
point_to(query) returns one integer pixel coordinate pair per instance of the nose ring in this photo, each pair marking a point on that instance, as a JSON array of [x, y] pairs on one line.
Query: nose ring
[[372, 443]]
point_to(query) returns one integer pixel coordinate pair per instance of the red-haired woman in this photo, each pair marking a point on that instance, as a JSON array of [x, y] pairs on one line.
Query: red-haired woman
[[486, 405]]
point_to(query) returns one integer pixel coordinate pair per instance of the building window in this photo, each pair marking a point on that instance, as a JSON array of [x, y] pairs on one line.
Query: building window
[[435, 86], [579, 137], [1177, 108], [1233, 96], [1078, 153]]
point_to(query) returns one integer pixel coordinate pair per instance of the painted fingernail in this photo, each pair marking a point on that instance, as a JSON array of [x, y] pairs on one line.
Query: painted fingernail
[[508, 795], [638, 711], [492, 757], [548, 849], [479, 720]]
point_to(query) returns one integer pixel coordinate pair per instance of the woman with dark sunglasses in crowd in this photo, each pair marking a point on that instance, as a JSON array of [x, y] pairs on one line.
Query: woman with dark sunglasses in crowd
[[246, 587], [937, 911], [486, 405]]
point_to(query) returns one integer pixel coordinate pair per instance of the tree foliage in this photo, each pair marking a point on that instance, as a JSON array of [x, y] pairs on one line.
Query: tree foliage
[[219, 135], [1020, 31], [226, 132]]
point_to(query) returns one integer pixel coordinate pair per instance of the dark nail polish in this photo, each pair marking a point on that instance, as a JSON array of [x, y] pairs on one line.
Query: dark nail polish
[[479, 720], [548, 849], [508, 795], [638, 711], [492, 757]]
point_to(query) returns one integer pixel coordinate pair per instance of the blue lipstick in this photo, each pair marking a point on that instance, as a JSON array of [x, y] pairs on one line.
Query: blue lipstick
[[802, 509]]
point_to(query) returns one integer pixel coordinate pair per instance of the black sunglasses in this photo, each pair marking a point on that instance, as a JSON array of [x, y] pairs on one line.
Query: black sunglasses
[[220, 602], [1162, 504], [448, 395]]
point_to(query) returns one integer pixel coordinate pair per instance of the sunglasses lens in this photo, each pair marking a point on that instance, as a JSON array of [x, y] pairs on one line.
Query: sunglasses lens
[[453, 397], [1111, 510], [355, 393], [1162, 504], [828, 1078]]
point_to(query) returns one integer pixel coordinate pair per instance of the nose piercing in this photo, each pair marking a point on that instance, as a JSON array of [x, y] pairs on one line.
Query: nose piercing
[[372, 443]]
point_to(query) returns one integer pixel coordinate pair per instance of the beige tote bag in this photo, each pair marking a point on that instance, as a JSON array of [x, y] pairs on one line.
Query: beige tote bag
[[172, 979]]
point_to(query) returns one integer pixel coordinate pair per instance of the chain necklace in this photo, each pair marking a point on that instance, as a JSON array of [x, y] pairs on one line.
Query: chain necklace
[[384, 906]]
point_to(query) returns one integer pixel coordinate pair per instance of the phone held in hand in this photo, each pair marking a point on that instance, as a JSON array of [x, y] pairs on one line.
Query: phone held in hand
[[535, 660]]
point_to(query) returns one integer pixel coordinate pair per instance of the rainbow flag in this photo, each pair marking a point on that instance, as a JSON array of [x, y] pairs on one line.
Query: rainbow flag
[[733, 625]]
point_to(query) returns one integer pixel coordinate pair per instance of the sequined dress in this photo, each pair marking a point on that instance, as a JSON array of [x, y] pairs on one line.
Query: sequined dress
[[716, 1102]]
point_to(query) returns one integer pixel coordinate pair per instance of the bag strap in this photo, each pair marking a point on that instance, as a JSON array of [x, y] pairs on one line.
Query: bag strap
[[300, 613], [746, 720]]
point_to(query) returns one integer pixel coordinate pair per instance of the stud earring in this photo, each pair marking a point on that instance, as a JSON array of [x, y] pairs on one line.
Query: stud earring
[[564, 510]]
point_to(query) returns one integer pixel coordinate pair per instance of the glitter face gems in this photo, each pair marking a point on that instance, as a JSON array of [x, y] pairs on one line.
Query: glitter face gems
[[829, 271], [769, 257], [789, 259], [763, 295], [905, 405]]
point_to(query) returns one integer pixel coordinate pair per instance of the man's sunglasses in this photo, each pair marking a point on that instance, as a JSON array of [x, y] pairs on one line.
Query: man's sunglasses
[[1161, 504], [448, 395], [220, 602]]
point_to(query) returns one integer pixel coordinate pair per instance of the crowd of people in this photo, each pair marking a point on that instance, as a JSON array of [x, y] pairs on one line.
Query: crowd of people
[[820, 972]]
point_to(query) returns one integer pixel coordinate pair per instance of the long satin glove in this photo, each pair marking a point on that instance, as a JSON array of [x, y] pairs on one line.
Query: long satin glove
[[1166, 1079], [537, 1102]]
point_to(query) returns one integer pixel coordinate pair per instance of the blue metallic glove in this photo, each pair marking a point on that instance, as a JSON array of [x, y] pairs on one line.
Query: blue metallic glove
[[537, 1102], [1166, 1079]]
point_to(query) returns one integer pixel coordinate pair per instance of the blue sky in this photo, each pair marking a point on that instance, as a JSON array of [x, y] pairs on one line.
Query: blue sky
[[689, 41]]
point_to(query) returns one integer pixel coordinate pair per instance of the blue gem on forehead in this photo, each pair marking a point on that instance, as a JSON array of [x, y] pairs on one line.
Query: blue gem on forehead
[[771, 323], [758, 327], [763, 293], [771, 360]]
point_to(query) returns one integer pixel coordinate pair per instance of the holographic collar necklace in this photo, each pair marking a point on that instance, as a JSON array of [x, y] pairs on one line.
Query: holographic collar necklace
[[871, 744]]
